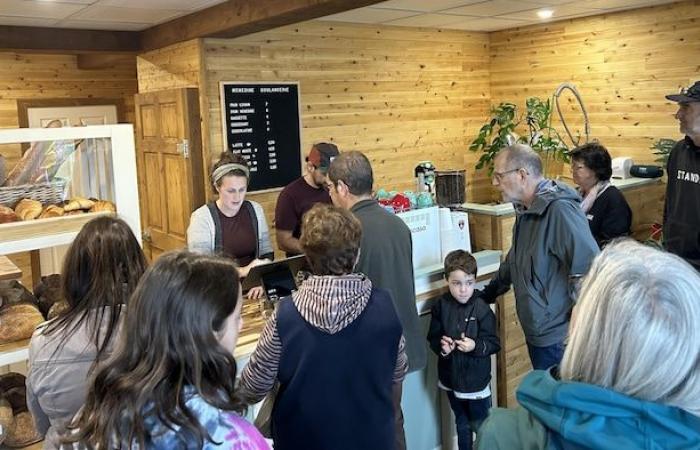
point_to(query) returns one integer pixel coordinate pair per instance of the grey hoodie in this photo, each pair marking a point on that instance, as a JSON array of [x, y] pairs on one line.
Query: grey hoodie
[[552, 246]]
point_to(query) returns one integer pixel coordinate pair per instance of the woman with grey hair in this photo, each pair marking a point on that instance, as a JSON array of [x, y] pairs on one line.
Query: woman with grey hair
[[232, 226], [630, 377]]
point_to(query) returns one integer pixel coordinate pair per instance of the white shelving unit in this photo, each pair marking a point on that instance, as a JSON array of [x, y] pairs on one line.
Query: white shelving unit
[[44, 233]]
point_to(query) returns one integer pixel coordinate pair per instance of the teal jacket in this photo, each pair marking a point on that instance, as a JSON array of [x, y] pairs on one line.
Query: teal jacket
[[567, 415]]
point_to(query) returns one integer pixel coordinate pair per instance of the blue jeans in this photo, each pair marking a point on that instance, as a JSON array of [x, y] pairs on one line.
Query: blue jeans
[[469, 414], [542, 358]]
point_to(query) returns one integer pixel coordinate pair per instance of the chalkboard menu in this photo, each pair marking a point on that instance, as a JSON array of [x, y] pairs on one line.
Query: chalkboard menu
[[261, 122]]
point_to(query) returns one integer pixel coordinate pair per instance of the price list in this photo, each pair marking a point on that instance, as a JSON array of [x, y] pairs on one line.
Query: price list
[[261, 123]]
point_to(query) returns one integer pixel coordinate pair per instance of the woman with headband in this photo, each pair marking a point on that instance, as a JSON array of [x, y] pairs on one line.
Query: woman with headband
[[232, 225]]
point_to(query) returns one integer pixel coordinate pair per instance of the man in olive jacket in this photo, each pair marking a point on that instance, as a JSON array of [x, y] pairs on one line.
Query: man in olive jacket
[[386, 253], [552, 249]]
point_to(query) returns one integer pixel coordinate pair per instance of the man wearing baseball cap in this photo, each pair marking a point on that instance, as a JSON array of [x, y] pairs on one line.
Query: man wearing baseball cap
[[682, 209], [300, 195]]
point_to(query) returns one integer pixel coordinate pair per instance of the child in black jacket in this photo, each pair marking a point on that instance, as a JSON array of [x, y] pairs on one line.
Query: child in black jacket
[[463, 335]]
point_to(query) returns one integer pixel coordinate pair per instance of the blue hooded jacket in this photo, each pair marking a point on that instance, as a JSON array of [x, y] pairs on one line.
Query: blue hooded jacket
[[567, 415]]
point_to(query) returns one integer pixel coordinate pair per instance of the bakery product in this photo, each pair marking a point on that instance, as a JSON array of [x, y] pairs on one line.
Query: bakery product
[[7, 215], [18, 321], [51, 211], [78, 203], [28, 209], [103, 205]]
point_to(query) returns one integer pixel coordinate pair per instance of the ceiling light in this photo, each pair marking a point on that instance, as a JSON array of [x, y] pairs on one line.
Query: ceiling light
[[545, 13]]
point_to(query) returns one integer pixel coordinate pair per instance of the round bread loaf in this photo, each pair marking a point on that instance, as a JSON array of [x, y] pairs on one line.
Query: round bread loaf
[[18, 322]]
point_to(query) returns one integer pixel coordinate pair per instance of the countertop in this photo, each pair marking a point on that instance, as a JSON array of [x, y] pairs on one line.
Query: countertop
[[506, 209]]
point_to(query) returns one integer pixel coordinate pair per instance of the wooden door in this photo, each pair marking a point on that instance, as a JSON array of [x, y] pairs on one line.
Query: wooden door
[[169, 161]]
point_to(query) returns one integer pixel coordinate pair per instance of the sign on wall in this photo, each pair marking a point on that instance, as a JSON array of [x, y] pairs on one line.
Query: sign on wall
[[261, 123]]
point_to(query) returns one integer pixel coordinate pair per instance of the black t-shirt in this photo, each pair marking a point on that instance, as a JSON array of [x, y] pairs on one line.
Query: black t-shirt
[[238, 236], [682, 209]]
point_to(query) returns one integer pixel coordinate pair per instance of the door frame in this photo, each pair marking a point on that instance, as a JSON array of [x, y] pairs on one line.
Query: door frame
[[23, 106]]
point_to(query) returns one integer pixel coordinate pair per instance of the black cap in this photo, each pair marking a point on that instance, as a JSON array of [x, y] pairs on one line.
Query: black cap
[[321, 155], [687, 95]]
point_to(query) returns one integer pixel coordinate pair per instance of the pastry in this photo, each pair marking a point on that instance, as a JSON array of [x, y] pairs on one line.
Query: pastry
[[103, 205], [73, 213], [28, 209], [7, 215], [51, 211], [78, 203]]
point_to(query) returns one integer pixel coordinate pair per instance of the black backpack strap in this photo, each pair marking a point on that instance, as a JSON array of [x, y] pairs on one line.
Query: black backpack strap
[[254, 218], [218, 241]]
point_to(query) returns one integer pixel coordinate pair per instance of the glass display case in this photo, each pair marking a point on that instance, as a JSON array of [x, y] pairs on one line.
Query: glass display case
[[56, 179]]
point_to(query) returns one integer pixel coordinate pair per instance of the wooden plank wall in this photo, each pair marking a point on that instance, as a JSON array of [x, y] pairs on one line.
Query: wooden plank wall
[[399, 95], [623, 64], [175, 66], [42, 76]]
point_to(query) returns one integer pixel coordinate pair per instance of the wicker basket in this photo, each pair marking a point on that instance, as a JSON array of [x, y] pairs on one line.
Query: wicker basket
[[46, 193]]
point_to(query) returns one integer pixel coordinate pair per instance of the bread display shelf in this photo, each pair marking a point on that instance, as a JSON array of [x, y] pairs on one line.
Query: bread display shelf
[[41, 233], [14, 352]]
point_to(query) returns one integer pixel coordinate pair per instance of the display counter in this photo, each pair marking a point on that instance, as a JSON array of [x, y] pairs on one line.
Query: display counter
[[492, 228]]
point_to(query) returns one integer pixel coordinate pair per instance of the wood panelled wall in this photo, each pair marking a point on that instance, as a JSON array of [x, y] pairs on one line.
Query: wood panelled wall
[[623, 64], [176, 66], [399, 95], [33, 76]]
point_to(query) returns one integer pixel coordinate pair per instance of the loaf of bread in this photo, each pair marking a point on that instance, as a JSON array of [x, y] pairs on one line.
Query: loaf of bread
[[78, 203], [21, 430], [28, 209], [18, 322], [103, 205], [51, 211], [7, 215]]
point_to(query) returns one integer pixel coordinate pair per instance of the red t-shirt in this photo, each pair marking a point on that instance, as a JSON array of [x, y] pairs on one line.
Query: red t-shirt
[[294, 200], [238, 237]]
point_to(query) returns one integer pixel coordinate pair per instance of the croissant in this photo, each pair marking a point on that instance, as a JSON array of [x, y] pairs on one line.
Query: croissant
[[103, 205], [28, 209], [7, 215], [78, 203], [51, 211]]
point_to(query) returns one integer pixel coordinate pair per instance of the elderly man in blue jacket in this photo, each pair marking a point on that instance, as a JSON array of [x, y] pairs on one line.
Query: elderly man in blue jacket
[[552, 248]]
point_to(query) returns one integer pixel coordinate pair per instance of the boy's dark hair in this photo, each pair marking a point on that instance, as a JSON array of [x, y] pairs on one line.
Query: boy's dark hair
[[460, 260]]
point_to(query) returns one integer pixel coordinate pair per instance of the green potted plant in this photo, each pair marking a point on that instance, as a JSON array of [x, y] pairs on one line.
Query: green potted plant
[[662, 148], [499, 132]]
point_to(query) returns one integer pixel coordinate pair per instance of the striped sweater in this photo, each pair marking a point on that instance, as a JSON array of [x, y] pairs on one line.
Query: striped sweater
[[329, 303]]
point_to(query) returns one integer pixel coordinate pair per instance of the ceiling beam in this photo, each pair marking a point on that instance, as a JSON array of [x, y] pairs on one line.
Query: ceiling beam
[[101, 61], [67, 40], [240, 17]]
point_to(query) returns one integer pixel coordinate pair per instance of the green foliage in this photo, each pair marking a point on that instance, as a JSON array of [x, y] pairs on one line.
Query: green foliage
[[663, 148], [500, 132]]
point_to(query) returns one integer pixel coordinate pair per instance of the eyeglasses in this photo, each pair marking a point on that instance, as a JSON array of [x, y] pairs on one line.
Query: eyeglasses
[[498, 176]]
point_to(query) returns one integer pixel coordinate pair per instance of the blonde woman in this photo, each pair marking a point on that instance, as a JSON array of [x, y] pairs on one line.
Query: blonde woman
[[630, 377]]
